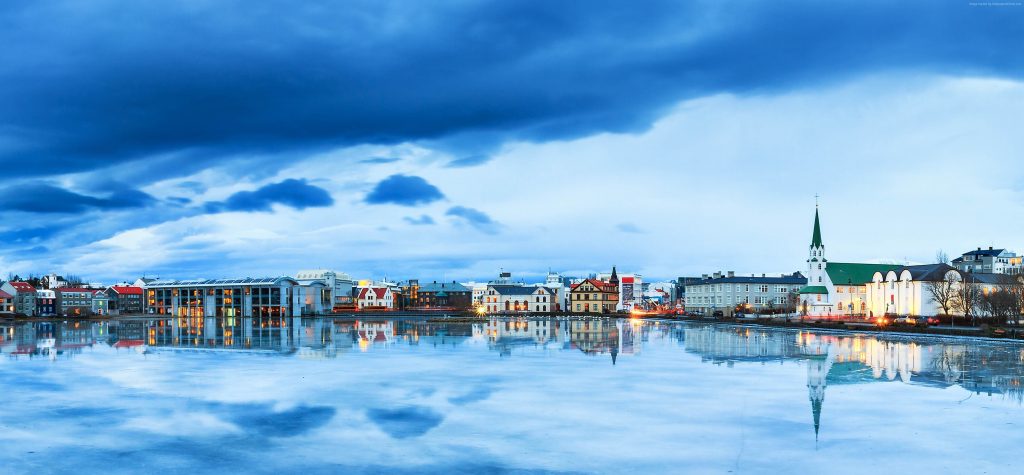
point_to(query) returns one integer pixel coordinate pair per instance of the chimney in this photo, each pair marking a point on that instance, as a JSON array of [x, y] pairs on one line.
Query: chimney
[[762, 275], [990, 248], [731, 274], [704, 276], [718, 275]]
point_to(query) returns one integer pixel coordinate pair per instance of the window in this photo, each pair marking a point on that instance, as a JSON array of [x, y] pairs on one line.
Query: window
[[819, 279]]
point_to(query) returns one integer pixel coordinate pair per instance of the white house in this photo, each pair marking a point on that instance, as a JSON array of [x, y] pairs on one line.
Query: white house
[[905, 291], [375, 298], [501, 298]]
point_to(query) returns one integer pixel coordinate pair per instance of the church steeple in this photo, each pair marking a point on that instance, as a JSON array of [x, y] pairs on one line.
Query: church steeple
[[816, 237], [615, 276]]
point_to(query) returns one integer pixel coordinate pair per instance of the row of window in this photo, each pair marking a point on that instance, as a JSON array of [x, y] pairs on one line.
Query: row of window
[[763, 288]]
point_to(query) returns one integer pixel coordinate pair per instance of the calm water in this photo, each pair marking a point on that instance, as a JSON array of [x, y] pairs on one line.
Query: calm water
[[537, 395]]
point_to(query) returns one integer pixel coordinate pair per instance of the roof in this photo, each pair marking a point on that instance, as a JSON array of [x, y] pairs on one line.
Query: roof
[[928, 272], [74, 289], [601, 285], [796, 278], [22, 286], [985, 252], [5, 295], [850, 273], [221, 282], [443, 286], [816, 236], [813, 289], [514, 289], [994, 279], [380, 292], [127, 289]]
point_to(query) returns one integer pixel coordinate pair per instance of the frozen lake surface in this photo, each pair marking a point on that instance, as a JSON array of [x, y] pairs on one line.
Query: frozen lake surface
[[509, 395]]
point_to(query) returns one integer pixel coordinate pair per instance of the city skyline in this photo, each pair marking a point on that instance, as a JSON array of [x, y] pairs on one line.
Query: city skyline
[[451, 141]]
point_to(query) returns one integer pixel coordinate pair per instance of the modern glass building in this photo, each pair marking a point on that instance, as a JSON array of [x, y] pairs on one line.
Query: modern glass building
[[248, 297]]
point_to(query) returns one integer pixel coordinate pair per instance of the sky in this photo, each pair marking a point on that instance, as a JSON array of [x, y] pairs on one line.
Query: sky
[[453, 139]]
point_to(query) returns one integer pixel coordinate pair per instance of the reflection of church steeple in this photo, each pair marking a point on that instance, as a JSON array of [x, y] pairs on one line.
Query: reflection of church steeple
[[615, 352], [817, 371]]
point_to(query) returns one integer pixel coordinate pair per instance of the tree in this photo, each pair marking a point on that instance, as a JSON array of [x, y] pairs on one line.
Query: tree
[[1000, 304], [967, 297], [941, 257], [943, 292]]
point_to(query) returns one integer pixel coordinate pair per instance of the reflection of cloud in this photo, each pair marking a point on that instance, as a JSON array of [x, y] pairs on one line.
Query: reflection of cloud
[[405, 422], [476, 394], [262, 420]]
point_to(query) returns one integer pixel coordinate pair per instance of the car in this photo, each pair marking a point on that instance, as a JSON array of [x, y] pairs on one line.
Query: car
[[906, 320], [718, 314]]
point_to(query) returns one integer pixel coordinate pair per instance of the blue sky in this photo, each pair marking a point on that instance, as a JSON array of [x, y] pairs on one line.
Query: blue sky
[[451, 139]]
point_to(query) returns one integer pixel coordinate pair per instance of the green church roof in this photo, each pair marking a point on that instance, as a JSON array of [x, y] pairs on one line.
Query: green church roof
[[846, 273], [816, 237], [814, 289]]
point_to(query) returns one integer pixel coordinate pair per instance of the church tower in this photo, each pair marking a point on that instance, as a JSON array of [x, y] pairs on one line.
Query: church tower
[[816, 261]]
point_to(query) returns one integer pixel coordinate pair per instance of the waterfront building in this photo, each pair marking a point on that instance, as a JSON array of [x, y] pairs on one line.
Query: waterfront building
[[247, 297], [989, 261], [46, 302], [142, 282], [836, 289], [630, 289], [102, 303], [124, 299], [904, 291], [444, 295], [594, 295], [73, 301], [339, 284], [729, 293], [375, 298], [518, 298], [6, 303], [682, 284], [24, 297]]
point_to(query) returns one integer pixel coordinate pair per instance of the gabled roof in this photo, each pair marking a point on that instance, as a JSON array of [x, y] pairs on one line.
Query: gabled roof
[[379, 292], [23, 286], [5, 295], [985, 252], [601, 285], [127, 289], [814, 289], [993, 279], [850, 273], [503, 289], [928, 272]]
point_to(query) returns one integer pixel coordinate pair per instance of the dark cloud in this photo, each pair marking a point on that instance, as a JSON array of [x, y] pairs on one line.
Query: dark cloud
[[405, 422], [295, 193], [470, 161], [403, 190], [289, 423], [420, 221], [476, 218], [94, 85], [46, 198]]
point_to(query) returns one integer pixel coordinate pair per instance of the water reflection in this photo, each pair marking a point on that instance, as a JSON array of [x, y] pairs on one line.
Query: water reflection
[[821, 361]]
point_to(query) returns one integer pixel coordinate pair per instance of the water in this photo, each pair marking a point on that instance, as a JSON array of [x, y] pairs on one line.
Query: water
[[509, 395]]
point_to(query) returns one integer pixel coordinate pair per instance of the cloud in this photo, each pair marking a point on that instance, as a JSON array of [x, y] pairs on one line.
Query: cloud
[[379, 160], [476, 218], [200, 83], [46, 198], [295, 193], [470, 161], [628, 228], [403, 190], [420, 221]]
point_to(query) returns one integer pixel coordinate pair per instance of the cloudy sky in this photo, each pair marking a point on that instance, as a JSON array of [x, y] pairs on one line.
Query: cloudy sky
[[449, 139]]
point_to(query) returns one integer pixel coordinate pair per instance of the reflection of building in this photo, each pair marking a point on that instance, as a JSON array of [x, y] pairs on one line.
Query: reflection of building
[[594, 336], [503, 334]]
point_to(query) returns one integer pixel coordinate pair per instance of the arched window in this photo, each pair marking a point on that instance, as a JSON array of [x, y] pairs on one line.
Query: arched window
[[819, 278]]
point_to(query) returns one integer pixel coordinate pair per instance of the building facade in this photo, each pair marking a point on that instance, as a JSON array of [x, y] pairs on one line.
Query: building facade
[[248, 297], [989, 261], [729, 293], [447, 295], [124, 300], [339, 285], [24, 297], [46, 302], [375, 298], [74, 301], [595, 296], [511, 298]]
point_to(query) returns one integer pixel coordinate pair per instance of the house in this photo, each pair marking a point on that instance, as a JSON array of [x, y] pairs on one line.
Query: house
[[73, 301], [595, 296], [24, 297], [513, 298], [375, 298], [101, 303], [6, 303], [46, 302], [904, 291], [989, 261], [836, 289], [125, 299]]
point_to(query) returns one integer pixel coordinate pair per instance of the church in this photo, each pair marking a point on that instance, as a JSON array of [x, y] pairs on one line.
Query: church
[[836, 289]]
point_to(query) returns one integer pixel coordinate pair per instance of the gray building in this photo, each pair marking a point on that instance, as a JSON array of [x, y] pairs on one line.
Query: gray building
[[989, 261], [727, 292]]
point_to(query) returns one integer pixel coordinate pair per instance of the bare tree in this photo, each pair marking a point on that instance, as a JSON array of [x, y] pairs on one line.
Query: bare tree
[[967, 297], [941, 257], [943, 292], [1000, 304]]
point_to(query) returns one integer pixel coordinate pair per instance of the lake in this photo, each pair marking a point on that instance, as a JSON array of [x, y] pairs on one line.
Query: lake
[[502, 395]]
